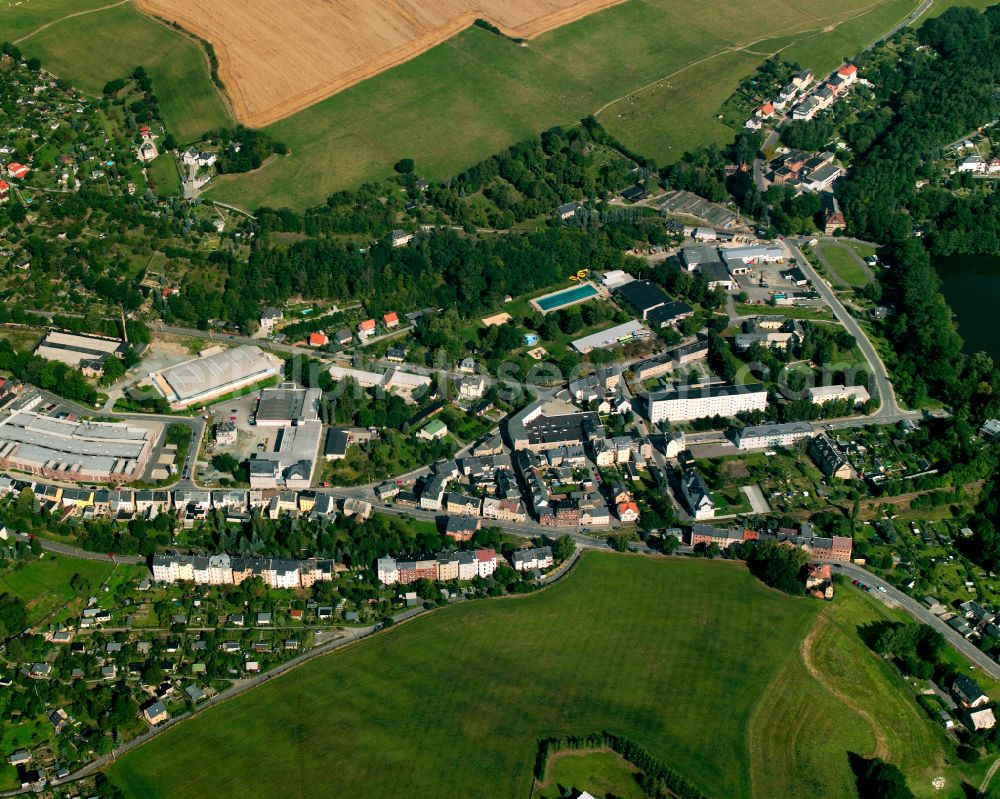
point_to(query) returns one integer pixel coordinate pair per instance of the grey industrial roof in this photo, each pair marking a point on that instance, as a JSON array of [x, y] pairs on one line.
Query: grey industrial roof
[[95, 446], [237, 366]]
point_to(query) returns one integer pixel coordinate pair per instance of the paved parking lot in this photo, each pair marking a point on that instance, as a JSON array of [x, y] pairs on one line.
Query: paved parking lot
[[250, 437]]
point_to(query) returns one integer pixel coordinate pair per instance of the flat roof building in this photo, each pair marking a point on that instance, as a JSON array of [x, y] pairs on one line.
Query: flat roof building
[[204, 379], [642, 295], [615, 335], [287, 405], [548, 425], [691, 402], [79, 350], [772, 435], [74, 450], [823, 394]]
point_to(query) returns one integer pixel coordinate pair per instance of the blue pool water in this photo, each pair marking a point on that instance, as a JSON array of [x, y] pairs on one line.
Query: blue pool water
[[566, 297]]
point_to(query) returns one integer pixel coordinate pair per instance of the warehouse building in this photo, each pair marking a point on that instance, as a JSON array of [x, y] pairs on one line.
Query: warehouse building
[[287, 405], [80, 350], [65, 449], [620, 334], [691, 402], [204, 379], [549, 424]]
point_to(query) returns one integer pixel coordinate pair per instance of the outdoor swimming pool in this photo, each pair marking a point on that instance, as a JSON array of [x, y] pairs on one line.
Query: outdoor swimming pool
[[561, 299]]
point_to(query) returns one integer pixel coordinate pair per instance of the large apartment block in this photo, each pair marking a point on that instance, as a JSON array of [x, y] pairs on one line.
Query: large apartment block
[[444, 566], [226, 570], [692, 402]]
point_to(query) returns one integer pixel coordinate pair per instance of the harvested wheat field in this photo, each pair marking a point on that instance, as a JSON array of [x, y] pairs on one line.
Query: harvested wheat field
[[277, 57]]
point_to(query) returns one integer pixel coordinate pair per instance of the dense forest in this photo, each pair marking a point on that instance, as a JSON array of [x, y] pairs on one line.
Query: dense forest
[[440, 269], [929, 98]]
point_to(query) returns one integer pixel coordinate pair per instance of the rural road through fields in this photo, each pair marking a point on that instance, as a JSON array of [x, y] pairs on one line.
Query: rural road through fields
[[976, 656]]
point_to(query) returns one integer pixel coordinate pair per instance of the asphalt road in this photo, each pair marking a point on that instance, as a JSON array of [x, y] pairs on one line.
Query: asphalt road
[[976, 656], [889, 409], [83, 554]]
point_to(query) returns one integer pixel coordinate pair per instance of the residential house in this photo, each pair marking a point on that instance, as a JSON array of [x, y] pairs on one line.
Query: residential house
[[528, 559], [697, 495], [968, 692]]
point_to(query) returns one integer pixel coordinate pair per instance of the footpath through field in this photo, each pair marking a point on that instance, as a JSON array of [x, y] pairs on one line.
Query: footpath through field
[[805, 649]]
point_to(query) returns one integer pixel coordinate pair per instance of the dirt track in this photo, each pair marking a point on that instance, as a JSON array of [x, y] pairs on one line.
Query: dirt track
[[286, 55], [805, 649]]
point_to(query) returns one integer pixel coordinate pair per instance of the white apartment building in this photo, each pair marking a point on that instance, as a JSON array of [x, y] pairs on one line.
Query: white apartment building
[[691, 402]]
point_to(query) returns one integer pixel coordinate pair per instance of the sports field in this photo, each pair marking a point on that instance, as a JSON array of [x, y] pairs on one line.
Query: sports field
[[842, 260], [44, 584], [89, 49]]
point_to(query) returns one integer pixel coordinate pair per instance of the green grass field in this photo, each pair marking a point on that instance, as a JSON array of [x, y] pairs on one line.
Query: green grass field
[[22, 19], [598, 773], [91, 49], [165, 176], [621, 645], [842, 261], [44, 586], [797, 707], [476, 93]]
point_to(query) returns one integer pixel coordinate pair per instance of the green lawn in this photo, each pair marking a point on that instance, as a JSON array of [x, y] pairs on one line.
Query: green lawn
[[797, 707], [91, 49], [164, 175], [844, 262], [405, 713], [477, 93], [22, 19], [598, 773], [44, 586]]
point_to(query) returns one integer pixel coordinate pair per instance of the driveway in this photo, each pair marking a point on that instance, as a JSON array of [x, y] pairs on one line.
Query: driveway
[[757, 499]]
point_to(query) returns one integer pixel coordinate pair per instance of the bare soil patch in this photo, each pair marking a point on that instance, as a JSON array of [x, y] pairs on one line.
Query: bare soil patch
[[277, 57]]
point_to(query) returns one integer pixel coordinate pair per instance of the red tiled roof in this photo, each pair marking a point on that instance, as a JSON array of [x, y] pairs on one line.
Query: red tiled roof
[[318, 339], [485, 554], [767, 109], [368, 324], [17, 170], [389, 318], [847, 69]]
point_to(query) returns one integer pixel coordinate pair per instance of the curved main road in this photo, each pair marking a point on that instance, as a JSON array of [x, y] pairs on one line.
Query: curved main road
[[889, 410], [974, 654]]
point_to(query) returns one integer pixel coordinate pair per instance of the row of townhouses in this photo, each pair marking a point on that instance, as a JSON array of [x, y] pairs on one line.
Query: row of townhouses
[[837, 549], [465, 565], [190, 504], [226, 570]]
